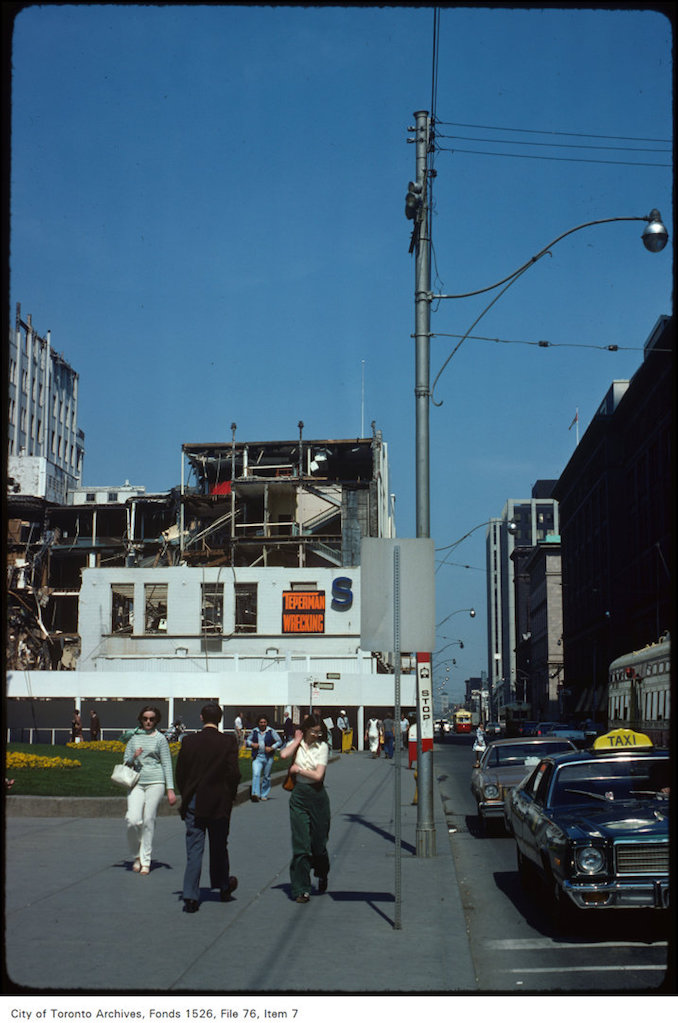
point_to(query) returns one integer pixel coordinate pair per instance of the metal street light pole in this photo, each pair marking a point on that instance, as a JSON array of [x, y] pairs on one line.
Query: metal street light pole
[[417, 210]]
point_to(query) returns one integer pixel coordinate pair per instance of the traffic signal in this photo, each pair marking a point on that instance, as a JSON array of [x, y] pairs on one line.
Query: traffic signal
[[414, 199]]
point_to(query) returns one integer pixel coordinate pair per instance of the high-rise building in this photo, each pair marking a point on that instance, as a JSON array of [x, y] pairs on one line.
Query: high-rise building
[[523, 523], [617, 508], [46, 448]]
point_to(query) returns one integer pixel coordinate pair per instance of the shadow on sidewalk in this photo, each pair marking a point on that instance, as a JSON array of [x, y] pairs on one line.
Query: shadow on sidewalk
[[369, 898], [356, 818]]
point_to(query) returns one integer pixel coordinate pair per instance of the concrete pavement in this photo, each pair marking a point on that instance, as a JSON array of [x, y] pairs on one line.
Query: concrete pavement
[[78, 918]]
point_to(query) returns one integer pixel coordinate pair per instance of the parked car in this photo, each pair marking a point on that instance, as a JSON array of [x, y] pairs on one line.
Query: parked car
[[527, 727], [544, 727], [594, 825], [492, 728], [575, 735], [503, 764]]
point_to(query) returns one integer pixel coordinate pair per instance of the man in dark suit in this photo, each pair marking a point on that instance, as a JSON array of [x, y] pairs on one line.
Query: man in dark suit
[[207, 776]]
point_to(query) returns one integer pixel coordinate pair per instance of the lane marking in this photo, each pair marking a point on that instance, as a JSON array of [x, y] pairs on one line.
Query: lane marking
[[585, 969], [537, 944]]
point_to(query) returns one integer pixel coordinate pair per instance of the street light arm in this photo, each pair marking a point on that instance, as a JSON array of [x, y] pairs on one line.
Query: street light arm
[[654, 238], [471, 610], [454, 642], [650, 218], [451, 546]]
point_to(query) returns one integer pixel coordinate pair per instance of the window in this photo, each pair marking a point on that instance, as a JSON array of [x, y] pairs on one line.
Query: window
[[212, 607], [90, 498], [122, 606], [155, 599], [112, 496], [303, 586], [245, 607]]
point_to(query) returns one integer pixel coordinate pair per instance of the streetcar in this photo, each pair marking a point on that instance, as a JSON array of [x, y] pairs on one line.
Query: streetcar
[[639, 691], [461, 721]]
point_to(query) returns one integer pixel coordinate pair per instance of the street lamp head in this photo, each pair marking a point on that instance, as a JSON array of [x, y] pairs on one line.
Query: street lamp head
[[655, 235]]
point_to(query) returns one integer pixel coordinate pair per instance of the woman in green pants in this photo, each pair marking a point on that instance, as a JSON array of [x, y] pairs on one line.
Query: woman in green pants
[[309, 807]]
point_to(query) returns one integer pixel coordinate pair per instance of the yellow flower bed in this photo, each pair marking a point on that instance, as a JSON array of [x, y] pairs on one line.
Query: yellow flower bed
[[108, 745], [113, 746], [16, 760]]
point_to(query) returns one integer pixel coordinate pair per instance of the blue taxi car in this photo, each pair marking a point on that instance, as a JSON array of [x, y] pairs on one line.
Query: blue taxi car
[[594, 825]]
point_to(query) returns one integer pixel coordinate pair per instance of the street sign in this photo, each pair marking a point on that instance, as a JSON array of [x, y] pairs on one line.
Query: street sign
[[417, 594]]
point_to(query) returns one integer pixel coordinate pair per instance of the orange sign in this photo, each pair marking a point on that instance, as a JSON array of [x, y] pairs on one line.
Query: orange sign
[[303, 611]]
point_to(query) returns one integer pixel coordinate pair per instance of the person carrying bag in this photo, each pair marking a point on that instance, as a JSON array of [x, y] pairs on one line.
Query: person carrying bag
[[125, 776]]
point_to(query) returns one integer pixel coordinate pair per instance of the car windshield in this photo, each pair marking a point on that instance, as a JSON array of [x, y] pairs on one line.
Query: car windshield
[[610, 781], [517, 753]]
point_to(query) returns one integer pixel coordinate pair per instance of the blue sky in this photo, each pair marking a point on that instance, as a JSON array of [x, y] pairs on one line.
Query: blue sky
[[207, 213]]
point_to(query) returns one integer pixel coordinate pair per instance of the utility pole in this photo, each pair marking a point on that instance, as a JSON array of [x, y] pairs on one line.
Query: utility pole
[[417, 210]]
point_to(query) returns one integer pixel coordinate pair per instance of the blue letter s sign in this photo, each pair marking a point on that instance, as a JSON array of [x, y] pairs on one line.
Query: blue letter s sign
[[342, 597]]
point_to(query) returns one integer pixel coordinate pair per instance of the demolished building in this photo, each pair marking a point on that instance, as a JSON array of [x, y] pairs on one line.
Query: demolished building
[[240, 585]]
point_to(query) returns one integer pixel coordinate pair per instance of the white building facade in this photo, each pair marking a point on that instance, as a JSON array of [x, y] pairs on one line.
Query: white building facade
[[248, 638]]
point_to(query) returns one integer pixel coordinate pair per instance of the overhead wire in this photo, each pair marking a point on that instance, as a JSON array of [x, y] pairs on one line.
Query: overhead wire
[[552, 145], [550, 131], [555, 159], [554, 133], [548, 344]]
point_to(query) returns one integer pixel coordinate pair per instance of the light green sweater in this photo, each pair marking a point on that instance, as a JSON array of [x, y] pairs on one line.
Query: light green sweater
[[155, 760]]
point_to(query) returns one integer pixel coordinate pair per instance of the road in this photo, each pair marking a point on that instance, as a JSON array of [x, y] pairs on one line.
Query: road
[[514, 942]]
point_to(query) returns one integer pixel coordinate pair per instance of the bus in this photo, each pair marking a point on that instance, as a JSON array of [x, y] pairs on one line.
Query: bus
[[639, 691], [461, 721]]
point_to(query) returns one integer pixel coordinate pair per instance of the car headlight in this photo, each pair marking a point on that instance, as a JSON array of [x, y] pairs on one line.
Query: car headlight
[[491, 792], [589, 860]]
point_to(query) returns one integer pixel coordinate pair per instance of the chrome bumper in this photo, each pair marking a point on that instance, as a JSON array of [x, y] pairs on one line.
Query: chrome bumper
[[492, 809], [619, 894]]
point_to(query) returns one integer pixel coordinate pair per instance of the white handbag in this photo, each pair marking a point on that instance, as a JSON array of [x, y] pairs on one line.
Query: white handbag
[[125, 776]]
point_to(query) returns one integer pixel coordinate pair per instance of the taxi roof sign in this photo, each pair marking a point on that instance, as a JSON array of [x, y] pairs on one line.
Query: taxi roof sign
[[622, 738]]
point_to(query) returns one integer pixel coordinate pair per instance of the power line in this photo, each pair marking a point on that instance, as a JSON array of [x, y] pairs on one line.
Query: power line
[[566, 134], [547, 344], [555, 159], [551, 145]]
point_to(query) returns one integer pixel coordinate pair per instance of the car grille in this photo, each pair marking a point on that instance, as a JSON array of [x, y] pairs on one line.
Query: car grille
[[642, 857]]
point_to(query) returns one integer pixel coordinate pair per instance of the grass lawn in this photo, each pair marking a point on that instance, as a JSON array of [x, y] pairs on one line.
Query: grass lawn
[[92, 778]]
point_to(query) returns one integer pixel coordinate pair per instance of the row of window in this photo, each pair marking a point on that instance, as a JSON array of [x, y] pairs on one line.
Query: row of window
[[655, 706], [155, 608], [212, 607], [27, 445], [654, 668]]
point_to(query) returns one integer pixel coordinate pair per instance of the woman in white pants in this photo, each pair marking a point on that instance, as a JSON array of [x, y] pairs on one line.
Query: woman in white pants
[[148, 753]]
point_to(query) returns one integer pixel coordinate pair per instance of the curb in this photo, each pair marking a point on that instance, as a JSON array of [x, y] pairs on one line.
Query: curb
[[105, 806]]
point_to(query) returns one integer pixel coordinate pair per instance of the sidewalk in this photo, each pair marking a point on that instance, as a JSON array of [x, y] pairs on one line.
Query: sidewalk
[[78, 918]]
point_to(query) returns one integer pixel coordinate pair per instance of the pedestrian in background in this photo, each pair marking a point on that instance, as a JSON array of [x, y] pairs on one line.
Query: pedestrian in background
[[372, 736], [404, 729], [149, 754], [207, 778], [239, 730], [309, 807], [76, 726], [94, 726], [479, 744], [344, 727], [288, 728], [263, 741], [389, 736]]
